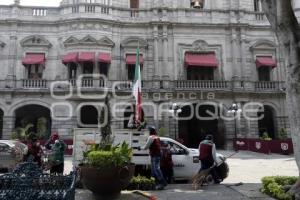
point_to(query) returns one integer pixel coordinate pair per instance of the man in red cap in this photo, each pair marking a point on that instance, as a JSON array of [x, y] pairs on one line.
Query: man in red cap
[[57, 147]]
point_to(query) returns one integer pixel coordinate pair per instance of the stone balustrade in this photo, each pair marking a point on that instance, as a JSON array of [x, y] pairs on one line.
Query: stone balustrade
[[184, 85], [83, 10]]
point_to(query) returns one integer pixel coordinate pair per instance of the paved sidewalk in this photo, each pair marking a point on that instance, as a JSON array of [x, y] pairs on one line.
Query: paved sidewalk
[[185, 192], [246, 167]]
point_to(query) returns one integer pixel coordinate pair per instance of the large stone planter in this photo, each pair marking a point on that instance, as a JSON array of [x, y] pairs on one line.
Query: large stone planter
[[265, 146], [284, 146], [106, 182]]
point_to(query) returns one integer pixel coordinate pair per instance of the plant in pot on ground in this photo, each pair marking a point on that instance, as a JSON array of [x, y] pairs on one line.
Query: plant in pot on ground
[[141, 183], [107, 169]]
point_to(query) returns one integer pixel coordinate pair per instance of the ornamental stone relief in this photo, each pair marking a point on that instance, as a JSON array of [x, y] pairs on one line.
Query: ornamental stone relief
[[199, 45]]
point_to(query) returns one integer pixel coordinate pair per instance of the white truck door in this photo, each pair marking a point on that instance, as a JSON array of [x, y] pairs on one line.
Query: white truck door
[[181, 160]]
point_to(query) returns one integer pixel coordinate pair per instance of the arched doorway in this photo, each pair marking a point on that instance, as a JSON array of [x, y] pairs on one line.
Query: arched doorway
[[194, 130], [1, 123], [38, 116], [266, 123], [89, 116]]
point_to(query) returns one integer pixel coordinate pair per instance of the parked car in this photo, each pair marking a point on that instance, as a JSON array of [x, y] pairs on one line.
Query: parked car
[[11, 153], [186, 160]]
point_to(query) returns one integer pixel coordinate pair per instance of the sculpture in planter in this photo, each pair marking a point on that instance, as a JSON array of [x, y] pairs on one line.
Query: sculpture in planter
[[107, 169]]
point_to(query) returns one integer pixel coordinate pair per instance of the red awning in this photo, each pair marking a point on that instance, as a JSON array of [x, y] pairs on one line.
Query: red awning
[[70, 57], [265, 61], [104, 57], [86, 57], [200, 60], [34, 59], [131, 59]]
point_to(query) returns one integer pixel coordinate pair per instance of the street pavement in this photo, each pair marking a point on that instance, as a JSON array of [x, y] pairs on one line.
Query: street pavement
[[185, 192], [244, 180]]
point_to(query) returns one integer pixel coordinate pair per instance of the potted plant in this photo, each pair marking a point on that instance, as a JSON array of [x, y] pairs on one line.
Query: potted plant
[[107, 169]]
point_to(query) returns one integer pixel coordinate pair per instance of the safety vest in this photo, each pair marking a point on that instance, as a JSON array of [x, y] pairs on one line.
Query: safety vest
[[155, 146], [205, 150]]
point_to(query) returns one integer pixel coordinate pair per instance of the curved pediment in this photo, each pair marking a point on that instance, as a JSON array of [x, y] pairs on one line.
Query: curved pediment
[[134, 42], [35, 41], [263, 44]]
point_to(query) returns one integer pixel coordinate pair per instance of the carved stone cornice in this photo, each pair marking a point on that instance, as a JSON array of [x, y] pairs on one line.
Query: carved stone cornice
[[88, 41]]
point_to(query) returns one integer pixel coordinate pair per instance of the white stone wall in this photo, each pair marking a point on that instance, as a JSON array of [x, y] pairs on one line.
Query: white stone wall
[[236, 37]]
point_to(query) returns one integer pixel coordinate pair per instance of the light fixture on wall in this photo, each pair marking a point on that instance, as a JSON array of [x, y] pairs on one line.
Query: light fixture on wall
[[234, 109], [175, 110]]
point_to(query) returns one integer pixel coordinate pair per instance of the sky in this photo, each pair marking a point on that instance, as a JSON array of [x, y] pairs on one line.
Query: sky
[[33, 2]]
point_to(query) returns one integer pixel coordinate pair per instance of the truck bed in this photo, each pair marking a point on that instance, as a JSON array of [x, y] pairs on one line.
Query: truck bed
[[133, 137]]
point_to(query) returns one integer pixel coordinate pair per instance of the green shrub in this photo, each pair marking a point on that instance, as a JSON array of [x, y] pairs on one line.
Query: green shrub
[[141, 183], [273, 186], [282, 133], [265, 136], [109, 156]]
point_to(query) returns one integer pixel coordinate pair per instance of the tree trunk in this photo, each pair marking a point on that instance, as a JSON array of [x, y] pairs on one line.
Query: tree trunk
[[283, 21]]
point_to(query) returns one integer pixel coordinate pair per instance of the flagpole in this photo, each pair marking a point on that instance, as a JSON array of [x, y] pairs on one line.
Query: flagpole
[[137, 87]]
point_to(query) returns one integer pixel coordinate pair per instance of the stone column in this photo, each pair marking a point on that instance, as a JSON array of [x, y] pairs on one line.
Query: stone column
[[236, 68], [8, 126], [243, 54], [164, 68], [155, 53], [12, 58], [235, 52]]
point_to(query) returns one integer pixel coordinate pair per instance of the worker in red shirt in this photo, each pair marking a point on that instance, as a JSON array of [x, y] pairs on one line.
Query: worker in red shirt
[[208, 156], [153, 144]]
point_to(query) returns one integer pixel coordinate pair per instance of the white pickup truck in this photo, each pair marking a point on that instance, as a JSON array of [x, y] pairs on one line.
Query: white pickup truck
[[186, 162]]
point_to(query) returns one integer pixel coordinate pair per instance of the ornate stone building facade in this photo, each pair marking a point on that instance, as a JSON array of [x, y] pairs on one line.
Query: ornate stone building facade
[[192, 52]]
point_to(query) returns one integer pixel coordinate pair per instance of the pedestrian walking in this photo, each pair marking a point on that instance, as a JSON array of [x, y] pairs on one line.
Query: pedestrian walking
[[56, 158], [153, 144], [166, 163]]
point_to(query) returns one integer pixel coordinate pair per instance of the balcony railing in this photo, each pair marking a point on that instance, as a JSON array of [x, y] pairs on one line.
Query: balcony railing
[[34, 83], [147, 85], [269, 85], [88, 83], [196, 84]]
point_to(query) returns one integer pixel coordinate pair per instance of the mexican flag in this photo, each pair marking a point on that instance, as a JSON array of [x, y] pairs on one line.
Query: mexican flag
[[137, 88]]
